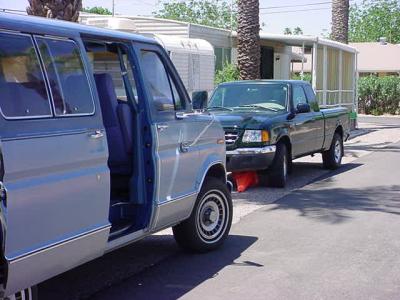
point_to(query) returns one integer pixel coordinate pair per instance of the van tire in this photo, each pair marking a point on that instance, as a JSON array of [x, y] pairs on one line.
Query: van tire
[[280, 168], [210, 221], [332, 158]]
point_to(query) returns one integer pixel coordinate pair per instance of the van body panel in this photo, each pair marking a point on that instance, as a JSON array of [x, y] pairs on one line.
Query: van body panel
[[49, 262]]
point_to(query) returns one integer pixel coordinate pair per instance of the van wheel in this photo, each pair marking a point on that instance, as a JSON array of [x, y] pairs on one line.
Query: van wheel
[[332, 158], [26, 294], [279, 170], [210, 221]]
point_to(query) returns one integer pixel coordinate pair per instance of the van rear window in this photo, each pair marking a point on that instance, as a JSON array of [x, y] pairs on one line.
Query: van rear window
[[67, 77], [23, 92]]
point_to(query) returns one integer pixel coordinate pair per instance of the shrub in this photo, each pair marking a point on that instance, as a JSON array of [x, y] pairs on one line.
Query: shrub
[[379, 95], [230, 72], [307, 77]]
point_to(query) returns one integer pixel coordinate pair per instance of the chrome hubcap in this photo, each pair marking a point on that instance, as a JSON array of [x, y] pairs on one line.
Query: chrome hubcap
[[22, 295], [338, 151], [212, 216], [285, 166]]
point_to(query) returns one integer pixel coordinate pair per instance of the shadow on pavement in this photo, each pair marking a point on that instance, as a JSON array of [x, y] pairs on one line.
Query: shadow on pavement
[[154, 268], [182, 272], [332, 205]]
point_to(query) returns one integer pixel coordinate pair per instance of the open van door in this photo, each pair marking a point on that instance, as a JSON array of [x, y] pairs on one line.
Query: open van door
[[55, 179]]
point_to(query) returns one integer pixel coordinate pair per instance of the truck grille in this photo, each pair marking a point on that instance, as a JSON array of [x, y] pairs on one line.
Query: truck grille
[[231, 137]]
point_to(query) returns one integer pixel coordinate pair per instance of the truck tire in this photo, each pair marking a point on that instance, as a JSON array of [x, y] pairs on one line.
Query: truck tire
[[332, 158], [278, 171], [210, 221]]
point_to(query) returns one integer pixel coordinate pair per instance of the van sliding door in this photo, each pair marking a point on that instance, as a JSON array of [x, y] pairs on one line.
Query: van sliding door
[[55, 173]]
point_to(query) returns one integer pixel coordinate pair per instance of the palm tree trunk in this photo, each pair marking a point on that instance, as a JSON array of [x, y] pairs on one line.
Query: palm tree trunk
[[67, 10], [248, 39], [340, 21]]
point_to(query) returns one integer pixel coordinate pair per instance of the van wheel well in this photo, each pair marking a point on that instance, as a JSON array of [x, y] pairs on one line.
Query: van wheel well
[[217, 171]]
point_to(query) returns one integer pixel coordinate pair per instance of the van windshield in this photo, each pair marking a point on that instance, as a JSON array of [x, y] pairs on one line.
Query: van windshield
[[271, 97]]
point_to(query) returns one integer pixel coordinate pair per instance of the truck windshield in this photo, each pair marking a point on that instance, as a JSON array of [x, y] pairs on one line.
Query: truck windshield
[[251, 96]]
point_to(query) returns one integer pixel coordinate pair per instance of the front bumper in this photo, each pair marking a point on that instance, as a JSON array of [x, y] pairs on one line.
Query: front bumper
[[250, 159]]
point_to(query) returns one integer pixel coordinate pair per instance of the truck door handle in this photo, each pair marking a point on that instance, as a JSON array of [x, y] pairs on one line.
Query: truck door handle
[[184, 147], [162, 127], [97, 135]]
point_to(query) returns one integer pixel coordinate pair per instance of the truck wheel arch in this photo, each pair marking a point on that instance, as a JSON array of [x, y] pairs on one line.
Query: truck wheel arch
[[286, 140], [339, 129]]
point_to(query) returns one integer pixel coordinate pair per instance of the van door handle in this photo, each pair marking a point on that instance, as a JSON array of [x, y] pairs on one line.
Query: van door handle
[[184, 147], [97, 135], [162, 127]]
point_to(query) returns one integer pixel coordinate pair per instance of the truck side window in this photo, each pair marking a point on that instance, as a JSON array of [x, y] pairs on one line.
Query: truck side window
[[162, 88], [67, 77], [298, 95], [22, 83], [311, 98]]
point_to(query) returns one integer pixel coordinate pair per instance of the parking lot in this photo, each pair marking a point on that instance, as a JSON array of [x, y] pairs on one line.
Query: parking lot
[[319, 237]]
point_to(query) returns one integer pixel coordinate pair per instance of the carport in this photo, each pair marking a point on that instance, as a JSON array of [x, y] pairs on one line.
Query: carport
[[333, 67]]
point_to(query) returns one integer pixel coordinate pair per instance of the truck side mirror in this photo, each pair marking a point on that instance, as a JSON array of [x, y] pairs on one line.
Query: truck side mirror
[[303, 108], [199, 99]]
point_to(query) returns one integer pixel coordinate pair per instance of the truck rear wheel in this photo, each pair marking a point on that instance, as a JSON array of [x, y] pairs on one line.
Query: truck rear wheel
[[332, 158], [210, 221]]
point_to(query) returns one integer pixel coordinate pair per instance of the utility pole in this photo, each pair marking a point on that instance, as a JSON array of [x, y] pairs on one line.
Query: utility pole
[[113, 8]]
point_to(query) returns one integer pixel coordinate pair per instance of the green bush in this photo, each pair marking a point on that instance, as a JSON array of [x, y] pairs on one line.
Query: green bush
[[307, 77], [230, 72], [379, 95]]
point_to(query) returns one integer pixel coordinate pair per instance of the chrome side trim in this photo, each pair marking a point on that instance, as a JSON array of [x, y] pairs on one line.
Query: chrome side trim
[[263, 150]]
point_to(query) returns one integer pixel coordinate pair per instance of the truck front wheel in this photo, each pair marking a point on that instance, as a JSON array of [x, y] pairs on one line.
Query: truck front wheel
[[210, 221], [332, 158], [278, 172]]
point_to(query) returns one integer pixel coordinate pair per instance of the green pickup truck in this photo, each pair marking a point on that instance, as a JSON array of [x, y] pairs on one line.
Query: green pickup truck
[[269, 123]]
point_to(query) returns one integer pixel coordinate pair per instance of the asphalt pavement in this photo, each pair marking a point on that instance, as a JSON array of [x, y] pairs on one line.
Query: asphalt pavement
[[337, 237]]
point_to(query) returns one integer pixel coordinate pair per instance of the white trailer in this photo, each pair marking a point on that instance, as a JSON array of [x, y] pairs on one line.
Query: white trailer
[[194, 59]]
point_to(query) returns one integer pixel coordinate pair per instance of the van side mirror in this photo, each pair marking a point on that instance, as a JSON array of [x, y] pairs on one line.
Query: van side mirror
[[303, 108], [199, 99]]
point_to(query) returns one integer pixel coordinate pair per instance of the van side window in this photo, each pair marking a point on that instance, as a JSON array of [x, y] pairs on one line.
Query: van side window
[[67, 77], [163, 91], [22, 84]]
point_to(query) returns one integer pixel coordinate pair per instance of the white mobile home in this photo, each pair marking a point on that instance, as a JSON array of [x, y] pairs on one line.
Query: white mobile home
[[194, 59]]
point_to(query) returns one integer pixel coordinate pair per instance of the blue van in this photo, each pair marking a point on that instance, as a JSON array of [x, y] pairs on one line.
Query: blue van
[[99, 147]]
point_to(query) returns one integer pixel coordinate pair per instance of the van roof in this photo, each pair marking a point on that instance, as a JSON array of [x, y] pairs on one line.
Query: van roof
[[40, 25]]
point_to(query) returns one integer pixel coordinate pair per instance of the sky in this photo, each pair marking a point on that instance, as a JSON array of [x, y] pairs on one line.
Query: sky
[[313, 16]]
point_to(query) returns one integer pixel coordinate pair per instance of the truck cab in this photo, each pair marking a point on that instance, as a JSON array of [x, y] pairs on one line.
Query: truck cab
[[100, 147]]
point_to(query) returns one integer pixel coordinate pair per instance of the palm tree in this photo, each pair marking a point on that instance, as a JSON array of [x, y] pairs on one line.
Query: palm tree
[[67, 10], [248, 39], [340, 21]]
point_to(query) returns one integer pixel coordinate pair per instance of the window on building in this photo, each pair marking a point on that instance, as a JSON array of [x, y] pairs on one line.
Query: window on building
[[222, 57]]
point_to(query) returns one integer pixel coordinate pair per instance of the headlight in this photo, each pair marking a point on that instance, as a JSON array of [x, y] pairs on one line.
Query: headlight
[[255, 136]]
